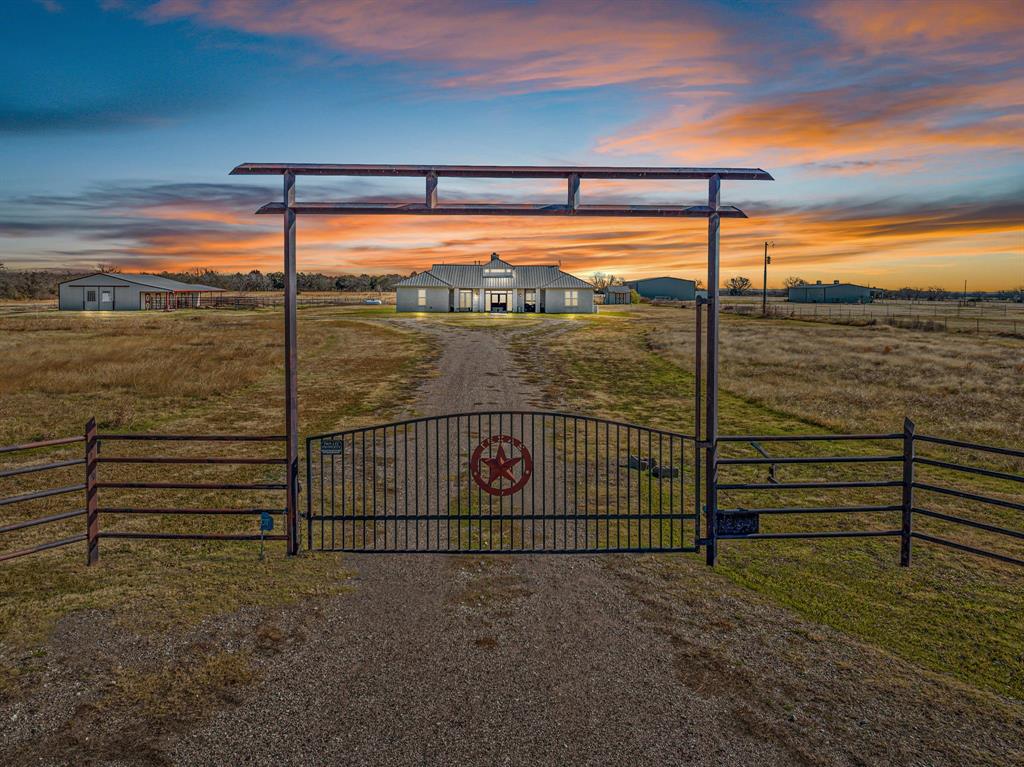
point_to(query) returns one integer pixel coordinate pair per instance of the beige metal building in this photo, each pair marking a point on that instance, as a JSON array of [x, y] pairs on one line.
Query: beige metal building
[[129, 292]]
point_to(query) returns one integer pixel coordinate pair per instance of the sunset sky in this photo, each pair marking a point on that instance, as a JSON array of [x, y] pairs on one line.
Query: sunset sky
[[895, 132]]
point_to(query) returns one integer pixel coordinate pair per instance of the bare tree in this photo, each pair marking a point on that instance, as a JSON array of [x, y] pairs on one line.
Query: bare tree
[[108, 268], [738, 285], [794, 282]]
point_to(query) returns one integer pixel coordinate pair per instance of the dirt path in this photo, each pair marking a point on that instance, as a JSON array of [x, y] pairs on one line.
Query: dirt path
[[582, 660], [476, 371]]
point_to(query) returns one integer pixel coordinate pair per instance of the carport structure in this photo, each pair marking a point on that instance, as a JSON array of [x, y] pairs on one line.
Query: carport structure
[[503, 480]]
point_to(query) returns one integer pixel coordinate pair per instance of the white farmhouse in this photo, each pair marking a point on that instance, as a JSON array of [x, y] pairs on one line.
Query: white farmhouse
[[496, 286]]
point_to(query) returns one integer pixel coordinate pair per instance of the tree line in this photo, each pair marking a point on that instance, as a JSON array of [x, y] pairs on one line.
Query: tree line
[[738, 286], [43, 283]]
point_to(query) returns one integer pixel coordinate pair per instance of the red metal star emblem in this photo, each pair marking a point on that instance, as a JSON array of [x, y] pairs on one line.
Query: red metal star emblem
[[501, 467]]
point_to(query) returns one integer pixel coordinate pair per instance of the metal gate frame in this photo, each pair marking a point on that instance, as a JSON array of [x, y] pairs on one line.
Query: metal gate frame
[[569, 483], [289, 209]]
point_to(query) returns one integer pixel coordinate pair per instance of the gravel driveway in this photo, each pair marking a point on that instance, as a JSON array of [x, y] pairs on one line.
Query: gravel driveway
[[589, 660]]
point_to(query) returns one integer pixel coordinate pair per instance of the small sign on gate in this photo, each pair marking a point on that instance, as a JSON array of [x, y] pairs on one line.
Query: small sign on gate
[[331, 447], [747, 523]]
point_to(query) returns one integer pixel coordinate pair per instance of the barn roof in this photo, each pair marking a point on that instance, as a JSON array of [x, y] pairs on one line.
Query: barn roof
[[651, 279], [833, 285], [150, 281]]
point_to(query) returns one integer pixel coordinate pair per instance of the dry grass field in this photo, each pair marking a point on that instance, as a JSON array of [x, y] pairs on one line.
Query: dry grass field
[[210, 372], [187, 372], [950, 612]]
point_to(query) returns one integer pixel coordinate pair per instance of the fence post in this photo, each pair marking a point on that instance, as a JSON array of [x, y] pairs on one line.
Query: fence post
[[92, 517], [908, 492]]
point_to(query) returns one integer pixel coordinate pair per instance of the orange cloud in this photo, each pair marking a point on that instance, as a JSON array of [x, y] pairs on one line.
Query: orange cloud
[[883, 245], [924, 27], [522, 47], [873, 126]]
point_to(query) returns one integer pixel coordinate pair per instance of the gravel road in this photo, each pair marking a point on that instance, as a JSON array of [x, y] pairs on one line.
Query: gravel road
[[581, 660]]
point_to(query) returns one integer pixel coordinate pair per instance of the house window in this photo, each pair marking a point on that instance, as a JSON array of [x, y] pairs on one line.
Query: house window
[[106, 296], [90, 295], [466, 299], [421, 297], [572, 298]]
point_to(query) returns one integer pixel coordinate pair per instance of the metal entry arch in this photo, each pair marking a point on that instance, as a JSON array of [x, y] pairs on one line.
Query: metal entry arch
[[509, 481], [713, 211]]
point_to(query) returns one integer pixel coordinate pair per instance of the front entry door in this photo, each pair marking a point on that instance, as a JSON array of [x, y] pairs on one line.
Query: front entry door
[[499, 302], [91, 298]]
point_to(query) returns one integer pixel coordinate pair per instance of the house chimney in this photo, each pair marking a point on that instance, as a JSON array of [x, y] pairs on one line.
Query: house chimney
[[818, 282], [835, 282]]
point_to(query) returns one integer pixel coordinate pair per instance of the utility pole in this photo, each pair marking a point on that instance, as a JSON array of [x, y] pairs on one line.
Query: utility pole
[[764, 292]]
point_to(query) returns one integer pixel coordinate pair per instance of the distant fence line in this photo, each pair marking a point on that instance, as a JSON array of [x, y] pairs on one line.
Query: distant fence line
[[941, 318], [218, 301]]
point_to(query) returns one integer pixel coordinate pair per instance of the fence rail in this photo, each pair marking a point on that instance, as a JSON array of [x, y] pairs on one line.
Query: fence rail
[[949, 318], [33, 495], [910, 505], [91, 489]]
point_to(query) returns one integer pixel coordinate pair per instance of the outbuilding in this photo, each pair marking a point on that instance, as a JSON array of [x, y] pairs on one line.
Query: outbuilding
[[618, 294], [129, 292], [835, 293], [496, 286], [665, 288]]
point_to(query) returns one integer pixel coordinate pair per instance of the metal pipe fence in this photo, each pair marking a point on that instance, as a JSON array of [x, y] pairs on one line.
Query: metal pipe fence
[[742, 522], [541, 482], [25, 497], [94, 484]]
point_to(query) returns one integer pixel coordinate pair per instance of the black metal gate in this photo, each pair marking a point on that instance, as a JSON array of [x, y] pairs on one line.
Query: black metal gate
[[508, 481]]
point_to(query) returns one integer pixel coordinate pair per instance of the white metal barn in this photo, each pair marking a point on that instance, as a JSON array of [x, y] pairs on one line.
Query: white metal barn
[[129, 292], [496, 286]]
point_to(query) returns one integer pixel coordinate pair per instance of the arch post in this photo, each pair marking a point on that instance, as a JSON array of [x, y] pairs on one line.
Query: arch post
[[711, 417], [291, 366]]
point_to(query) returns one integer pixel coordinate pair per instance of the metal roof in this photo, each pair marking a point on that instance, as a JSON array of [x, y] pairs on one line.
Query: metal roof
[[833, 285], [472, 276], [424, 280], [649, 279], [568, 281], [150, 281]]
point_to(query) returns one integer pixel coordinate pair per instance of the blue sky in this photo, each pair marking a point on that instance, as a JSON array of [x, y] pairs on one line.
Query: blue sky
[[894, 130]]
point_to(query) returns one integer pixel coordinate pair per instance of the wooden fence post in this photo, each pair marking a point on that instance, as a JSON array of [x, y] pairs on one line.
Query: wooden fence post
[[92, 517], [908, 492]]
